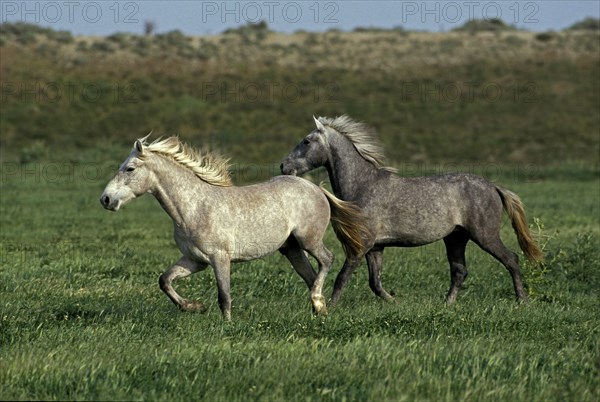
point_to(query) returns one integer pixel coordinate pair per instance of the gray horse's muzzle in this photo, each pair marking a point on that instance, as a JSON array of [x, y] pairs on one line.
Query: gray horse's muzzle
[[287, 169]]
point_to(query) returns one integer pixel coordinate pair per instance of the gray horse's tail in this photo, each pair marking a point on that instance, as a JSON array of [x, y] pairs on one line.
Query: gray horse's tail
[[516, 211], [348, 224]]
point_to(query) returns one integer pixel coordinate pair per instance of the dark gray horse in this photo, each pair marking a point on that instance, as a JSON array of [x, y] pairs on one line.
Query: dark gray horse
[[407, 212]]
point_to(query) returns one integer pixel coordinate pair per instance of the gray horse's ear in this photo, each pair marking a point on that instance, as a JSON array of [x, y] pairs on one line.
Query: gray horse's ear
[[320, 125]]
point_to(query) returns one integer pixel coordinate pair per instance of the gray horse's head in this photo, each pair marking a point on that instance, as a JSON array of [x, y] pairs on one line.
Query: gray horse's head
[[132, 180], [311, 153]]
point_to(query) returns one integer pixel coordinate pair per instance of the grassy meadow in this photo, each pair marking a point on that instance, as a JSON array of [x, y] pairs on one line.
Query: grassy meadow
[[82, 317]]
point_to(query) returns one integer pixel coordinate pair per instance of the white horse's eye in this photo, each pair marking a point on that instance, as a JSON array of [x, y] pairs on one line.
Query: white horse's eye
[[130, 169]]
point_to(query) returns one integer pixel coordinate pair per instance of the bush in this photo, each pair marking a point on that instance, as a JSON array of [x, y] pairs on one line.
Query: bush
[[34, 152], [250, 28], [250, 33], [173, 38], [491, 25], [206, 50], [397, 28], [103, 46], [119, 38], [62, 37], [26, 33], [575, 262], [515, 41], [546, 36], [82, 46], [588, 24], [17, 29]]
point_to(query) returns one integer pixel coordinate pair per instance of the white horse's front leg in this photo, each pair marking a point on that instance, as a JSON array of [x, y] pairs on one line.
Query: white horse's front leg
[[184, 267], [221, 265]]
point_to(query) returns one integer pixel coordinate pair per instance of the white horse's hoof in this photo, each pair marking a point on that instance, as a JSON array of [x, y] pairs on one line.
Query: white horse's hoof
[[319, 306]]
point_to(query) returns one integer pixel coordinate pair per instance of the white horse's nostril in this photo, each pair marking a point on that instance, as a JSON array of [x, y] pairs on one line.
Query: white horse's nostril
[[104, 200]]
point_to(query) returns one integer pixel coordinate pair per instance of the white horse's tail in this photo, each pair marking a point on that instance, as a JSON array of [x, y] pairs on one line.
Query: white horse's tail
[[348, 224]]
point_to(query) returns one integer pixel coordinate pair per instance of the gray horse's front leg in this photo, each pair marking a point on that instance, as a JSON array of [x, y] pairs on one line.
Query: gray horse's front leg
[[343, 278], [375, 263], [184, 267], [221, 266], [456, 243], [300, 263]]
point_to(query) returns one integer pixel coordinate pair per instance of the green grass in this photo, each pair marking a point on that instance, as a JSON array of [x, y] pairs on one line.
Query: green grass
[[82, 316]]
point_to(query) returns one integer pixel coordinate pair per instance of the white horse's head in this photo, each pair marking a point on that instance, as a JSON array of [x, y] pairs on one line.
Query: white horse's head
[[132, 180]]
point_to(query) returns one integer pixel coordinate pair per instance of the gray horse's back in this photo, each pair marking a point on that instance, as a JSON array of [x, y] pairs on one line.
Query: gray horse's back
[[421, 210]]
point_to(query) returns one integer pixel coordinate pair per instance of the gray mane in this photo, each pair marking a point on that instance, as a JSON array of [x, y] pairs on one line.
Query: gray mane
[[362, 136]]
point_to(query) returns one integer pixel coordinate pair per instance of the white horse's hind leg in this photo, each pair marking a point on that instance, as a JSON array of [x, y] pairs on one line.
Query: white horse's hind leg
[[221, 266], [324, 257], [184, 267]]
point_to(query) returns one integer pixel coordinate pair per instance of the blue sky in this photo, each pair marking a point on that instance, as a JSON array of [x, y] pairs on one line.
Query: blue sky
[[211, 17]]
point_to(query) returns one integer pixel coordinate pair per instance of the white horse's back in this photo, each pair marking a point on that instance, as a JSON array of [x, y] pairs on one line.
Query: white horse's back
[[256, 220]]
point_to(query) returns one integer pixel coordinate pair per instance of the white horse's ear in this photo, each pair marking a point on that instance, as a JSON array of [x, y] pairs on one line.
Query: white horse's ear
[[320, 125], [139, 143], [145, 139], [139, 146]]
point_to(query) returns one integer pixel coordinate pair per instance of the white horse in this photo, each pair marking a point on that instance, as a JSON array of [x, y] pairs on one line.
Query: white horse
[[217, 223]]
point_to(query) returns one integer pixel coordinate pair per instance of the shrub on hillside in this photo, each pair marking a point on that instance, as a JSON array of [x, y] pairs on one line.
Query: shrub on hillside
[[174, 40], [250, 33], [26, 33], [33, 152], [546, 36], [21, 28], [397, 28], [23, 33], [119, 38], [588, 24], [491, 25], [103, 46], [61, 37]]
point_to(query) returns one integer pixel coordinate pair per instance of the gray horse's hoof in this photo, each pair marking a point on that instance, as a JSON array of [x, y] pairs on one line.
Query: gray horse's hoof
[[192, 307]]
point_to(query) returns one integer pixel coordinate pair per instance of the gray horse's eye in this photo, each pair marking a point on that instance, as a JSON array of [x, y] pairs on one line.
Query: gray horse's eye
[[306, 141]]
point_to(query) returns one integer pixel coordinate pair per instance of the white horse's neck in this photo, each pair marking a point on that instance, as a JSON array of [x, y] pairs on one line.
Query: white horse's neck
[[178, 190]]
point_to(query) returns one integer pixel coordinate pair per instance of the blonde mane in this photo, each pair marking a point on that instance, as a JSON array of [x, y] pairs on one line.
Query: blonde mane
[[362, 136], [211, 168]]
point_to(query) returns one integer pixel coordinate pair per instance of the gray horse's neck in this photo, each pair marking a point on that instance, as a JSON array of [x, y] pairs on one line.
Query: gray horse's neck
[[173, 187], [349, 172]]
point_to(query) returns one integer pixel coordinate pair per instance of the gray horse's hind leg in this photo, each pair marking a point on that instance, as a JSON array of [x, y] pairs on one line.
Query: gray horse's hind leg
[[342, 279], [510, 260], [299, 261], [456, 242], [374, 262], [184, 267]]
